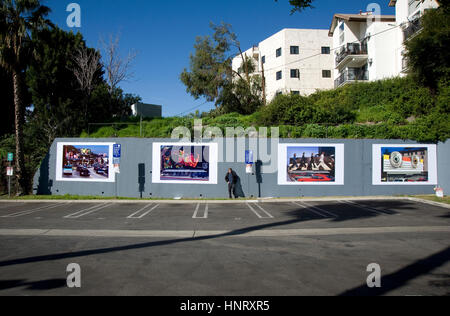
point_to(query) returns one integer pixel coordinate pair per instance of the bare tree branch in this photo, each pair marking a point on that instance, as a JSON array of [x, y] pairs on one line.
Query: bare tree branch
[[118, 69], [86, 64]]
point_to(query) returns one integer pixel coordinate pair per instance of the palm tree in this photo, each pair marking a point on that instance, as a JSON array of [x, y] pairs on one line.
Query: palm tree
[[18, 20]]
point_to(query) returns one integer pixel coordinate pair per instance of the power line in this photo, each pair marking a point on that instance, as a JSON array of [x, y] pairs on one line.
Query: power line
[[192, 109], [332, 50]]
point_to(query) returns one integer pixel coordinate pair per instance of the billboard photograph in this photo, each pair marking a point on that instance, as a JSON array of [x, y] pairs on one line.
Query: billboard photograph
[[405, 164], [185, 163], [310, 164], [90, 162]]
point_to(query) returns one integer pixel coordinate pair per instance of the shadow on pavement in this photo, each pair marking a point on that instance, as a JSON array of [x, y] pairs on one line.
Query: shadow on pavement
[[400, 278], [34, 286]]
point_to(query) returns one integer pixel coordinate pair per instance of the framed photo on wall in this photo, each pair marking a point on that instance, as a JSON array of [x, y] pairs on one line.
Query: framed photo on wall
[[185, 163], [311, 164], [404, 165], [85, 162]]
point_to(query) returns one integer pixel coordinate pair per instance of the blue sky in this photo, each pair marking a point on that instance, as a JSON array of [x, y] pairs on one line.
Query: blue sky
[[163, 33], [98, 150]]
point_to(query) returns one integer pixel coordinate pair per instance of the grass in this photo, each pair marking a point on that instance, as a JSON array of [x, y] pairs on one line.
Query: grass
[[91, 197], [434, 198]]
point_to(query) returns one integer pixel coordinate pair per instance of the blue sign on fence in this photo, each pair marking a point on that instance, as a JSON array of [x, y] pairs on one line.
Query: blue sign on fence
[[117, 150], [249, 157]]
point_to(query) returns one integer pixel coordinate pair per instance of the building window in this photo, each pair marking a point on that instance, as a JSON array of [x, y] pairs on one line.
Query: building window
[[295, 92], [341, 33], [295, 73], [278, 53], [326, 73], [263, 59], [279, 93], [279, 75], [326, 50], [295, 50]]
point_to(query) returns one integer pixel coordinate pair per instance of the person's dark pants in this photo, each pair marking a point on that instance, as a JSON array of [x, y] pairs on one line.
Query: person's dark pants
[[232, 190]]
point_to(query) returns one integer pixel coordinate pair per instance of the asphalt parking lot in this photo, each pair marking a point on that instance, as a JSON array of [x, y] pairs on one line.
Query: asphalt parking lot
[[216, 248]]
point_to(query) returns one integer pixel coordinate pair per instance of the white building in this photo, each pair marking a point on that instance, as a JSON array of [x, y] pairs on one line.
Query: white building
[[364, 47], [408, 14], [297, 61]]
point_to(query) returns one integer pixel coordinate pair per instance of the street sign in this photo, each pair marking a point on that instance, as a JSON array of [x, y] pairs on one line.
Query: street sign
[[9, 171], [249, 157], [10, 156]]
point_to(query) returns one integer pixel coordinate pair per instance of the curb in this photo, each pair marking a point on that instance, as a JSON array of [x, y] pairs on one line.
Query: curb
[[268, 201]]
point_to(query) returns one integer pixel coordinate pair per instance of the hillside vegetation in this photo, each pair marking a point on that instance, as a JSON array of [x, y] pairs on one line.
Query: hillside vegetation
[[398, 108]]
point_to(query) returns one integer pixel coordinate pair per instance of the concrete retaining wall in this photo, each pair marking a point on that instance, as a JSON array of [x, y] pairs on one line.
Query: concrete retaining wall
[[358, 174]]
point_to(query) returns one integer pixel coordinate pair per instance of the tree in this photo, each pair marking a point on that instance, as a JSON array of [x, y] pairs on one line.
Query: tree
[[18, 19], [7, 108], [427, 52], [117, 68], [88, 71], [211, 74], [300, 5]]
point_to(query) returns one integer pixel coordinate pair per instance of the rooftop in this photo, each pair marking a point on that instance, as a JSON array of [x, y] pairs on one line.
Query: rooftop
[[361, 17]]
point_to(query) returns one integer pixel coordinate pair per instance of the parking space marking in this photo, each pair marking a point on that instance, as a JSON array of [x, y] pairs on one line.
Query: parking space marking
[[312, 210], [257, 214], [146, 208], [88, 211], [318, 210], [205, 214], [267, 213], [366, 208], [27, 212]]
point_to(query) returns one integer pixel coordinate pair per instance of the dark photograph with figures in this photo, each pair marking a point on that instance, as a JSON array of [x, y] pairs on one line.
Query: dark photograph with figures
[[311, 164], [187, 163]]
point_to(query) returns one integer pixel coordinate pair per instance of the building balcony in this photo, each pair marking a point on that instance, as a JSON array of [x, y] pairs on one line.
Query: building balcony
[[353, 54], [412, 28], [351, 75]]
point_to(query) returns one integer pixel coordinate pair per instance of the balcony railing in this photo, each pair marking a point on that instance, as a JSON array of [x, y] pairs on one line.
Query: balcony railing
[[350, 75], [351, 49], [412, 28]]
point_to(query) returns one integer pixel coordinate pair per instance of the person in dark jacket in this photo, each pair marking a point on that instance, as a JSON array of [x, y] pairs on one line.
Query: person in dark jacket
[[231, 178]]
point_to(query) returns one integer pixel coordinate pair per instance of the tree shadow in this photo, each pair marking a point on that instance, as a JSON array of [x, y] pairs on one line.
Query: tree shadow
[[69, 255], [402, 277], [33, 286], [44, 182], [347, 212]]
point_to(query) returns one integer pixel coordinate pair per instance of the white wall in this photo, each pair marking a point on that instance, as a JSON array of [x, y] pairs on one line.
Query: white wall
[[402, 18], [309, 61], [381, 46]]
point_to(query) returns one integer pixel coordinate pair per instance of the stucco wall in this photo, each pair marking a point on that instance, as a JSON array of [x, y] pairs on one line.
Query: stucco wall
[[358, 174]]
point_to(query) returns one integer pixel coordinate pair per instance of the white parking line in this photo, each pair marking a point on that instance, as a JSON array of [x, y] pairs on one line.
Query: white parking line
[[88, 211], [319, 211], [367, 208], [205, 214], [267, 213], [310, 209], [135, 215], [257, 214], [27, 212]]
